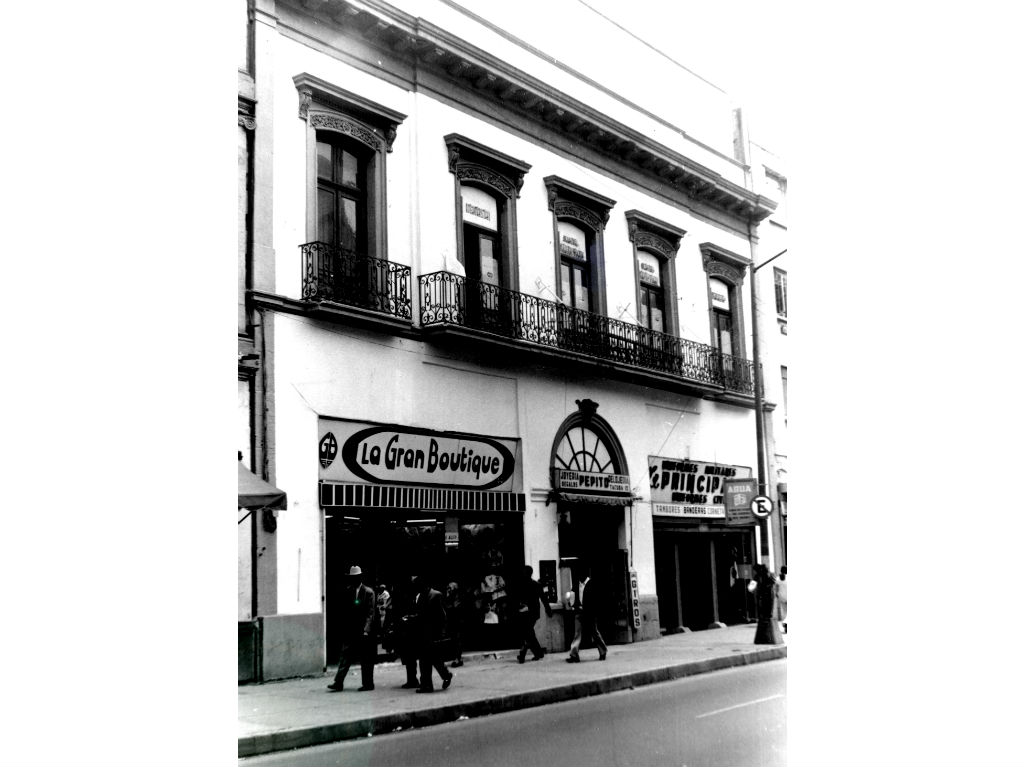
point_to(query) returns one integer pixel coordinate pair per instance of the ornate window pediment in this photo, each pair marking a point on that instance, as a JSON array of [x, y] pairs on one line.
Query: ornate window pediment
[[328, 107]]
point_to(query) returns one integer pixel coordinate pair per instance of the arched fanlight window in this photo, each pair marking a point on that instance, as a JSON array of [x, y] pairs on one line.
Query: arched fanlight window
[[583, 449]]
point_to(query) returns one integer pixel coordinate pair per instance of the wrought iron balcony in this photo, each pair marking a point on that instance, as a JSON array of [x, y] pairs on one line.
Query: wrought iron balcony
[[449, 299], [345, 277]]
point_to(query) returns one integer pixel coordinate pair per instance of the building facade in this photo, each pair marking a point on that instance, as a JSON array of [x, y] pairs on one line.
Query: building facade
[[491, 313]]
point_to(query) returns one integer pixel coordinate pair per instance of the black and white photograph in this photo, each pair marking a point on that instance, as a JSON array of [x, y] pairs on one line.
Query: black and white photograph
[[512, 390], [503, 398]]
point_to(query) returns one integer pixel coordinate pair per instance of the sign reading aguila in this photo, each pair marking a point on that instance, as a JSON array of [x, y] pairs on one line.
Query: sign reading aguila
[[393, 454], [589, 480], [685, 488]]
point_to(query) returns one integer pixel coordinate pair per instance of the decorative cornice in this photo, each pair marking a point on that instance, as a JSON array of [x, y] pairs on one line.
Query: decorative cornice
[[468, 159], [420, 45], [648, 231], [349, 127], [717, 253], [472, 172], [565, 209], [720, 269], [568, 199], [351, 113]]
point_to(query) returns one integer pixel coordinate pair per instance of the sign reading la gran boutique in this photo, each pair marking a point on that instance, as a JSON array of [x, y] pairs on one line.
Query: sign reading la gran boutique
[[352, 451], [690, 489]]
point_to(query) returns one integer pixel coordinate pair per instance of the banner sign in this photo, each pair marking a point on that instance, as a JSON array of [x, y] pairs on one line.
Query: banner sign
[[687, 488], [738, 495], [403, 455], [592, 481]]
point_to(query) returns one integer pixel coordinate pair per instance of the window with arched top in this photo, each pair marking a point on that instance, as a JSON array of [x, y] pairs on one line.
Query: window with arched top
[[655, 244], [586, 442], [580, 217], [725, 271]]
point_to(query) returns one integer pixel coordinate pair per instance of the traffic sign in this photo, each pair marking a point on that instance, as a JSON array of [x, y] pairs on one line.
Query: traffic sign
[[761, 506]]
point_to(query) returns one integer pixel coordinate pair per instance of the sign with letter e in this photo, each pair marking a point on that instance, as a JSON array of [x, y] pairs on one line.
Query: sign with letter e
[[761, 507]]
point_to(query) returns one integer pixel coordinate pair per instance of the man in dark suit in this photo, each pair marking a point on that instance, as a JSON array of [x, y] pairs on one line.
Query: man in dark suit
[[358, 640], [587, 606], [430, 620], [529, 597]]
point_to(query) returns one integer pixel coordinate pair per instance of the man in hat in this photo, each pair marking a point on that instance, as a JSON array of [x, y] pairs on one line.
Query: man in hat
[[358, 639]]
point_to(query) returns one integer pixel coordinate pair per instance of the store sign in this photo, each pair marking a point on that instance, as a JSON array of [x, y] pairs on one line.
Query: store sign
[[686, 488], [650, 269], [688, 510], [572, 242], [479, 208], [451, 539], [719, 294], [591, 481], [634, 594], [739, 492], [400, 455]]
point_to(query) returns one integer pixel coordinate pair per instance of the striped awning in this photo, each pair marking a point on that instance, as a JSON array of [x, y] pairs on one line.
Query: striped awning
[[351, 495]]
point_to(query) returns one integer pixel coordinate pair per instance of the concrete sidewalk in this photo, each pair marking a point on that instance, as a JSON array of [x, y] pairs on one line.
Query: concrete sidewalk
[[294, 713]]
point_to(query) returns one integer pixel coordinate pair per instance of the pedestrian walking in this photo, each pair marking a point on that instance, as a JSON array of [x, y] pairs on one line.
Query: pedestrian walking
[[586, 604], [358, 639], [782, 599], [453, 610], [765, 597], [430, 619], [529, 597], [403, 637]]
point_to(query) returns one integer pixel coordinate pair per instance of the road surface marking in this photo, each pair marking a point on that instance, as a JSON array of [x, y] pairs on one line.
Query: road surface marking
[[739, 705]]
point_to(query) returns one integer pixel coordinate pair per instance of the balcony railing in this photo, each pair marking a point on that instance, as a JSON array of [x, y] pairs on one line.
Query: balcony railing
[[449, 299], [336, 274]]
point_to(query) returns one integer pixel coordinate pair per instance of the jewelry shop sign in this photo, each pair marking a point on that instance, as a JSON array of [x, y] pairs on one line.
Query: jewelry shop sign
[[403, 455], [591, 481], [690, 489]]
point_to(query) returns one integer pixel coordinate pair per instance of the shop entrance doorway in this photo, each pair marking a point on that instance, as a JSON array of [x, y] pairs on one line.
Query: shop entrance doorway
[[392, 547], [701, 577], [589, 535]]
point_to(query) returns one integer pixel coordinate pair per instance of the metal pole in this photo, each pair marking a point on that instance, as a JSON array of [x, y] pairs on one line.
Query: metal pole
[[758, 409]]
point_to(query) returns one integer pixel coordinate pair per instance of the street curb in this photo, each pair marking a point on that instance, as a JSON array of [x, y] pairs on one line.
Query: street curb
[[302, 737]]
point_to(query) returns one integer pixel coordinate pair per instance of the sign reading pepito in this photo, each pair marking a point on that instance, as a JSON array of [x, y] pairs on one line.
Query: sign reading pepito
[[590, 480], [405, 455]]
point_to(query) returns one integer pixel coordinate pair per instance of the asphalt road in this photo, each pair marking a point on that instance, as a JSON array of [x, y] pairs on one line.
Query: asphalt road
[[732, 717]]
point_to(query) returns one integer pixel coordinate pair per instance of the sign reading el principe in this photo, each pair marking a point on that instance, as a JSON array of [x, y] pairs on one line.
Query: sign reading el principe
[[687, 488], [403, 455]]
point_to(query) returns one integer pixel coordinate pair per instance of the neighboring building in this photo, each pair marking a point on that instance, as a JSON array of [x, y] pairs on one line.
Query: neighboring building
[[492, 312]]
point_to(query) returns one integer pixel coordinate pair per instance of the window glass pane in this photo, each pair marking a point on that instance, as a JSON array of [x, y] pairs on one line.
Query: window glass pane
[[564, 290], [645, 311], [582, 293], [325, 230], [349, 169], [244, 422], [323, 160], [349, 224], [488, 262], [657, 320]]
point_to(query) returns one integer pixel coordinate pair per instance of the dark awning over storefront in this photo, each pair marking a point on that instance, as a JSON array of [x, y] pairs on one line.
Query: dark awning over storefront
[[255, 493]]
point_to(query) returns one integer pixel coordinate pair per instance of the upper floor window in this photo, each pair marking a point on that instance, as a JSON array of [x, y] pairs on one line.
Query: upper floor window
[[246, 126], [487, 185], [580, 217], [342, 205], [655, 244], [781, 303], [348, 140], [725, 271], [245, 11]]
